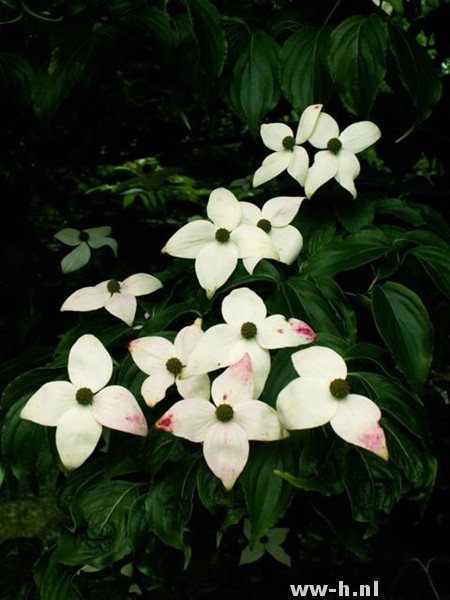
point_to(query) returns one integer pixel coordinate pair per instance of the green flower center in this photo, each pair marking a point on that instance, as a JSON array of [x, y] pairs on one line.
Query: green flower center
[[265, 225], [174, 366], [84, 236], [222, 235], [288, 143], [224, 412], [334, 145], [84, 396], [113, 286], [249, 330], [339, 388]]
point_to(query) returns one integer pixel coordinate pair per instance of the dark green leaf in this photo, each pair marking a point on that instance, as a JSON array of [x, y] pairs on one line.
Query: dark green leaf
[[17, 76], [418, 465], [436, 263], [354, 214], [163, 317], [357, 249], [209, 35], [404, 324], [55, 581], [253, 88], [27, 448], [102, 512], [319, 462], [320, 303], [70, 58], [373, 486], [357, 60], [400, 209], [169, 505], [416, 71], [397, 402], [305, 78], [267, 495]]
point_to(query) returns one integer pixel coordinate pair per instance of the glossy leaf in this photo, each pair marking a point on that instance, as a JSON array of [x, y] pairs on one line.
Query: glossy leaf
[[304, 74], [436, 263], [416, 71], [357, 249], [372, 484], [208, 34], [253, 88], [169, 505], [318, 302], [103, 510], [397, 402], [55, 581], [404, 324], [357, 60], [267, 495]]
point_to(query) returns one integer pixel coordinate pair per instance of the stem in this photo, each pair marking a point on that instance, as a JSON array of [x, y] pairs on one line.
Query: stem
[[331, 13]]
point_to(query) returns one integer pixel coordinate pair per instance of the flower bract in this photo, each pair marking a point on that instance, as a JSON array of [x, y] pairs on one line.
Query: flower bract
[[164, 363], [322, 395], [287, 153], [226, 426], [274, 218], [94, 237], [217, 244], [337, 156], [247, 329], [78, 408], [117, 297]]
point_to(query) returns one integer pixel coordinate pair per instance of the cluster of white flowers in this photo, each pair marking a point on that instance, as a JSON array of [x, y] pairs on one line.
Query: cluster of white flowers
[[241, 345], [337, 150]]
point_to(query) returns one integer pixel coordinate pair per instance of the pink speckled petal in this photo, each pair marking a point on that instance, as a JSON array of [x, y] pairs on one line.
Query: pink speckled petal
[[235, 384], [226, 450], [116, 407], [190, 419], [357, 422]]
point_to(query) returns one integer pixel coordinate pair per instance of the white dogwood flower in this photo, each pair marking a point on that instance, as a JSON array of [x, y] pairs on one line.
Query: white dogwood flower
[[226, 426], [117, 297], [247, 329], [80, 407], [84, 240], [337, 158], [217, 244], [164, 363], [322, 395], [274, 219], [288, 154]]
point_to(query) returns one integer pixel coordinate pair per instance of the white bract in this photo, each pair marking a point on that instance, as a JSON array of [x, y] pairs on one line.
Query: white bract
[[80, 407], [247, 329], [288, 154], [84, 240], [226, 426], [164, 363], [337, 159], [217, 244], [274, 219], [322, 395], [117, 297]]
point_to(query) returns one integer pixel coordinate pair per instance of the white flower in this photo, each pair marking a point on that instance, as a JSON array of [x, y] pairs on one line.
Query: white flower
[[117, 297], [274, 219], [338, 160], [164, 363], [78, 408], [84, 240], [247, 329], [217, 244], [225, 428], [321, 394], [287, 155]]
